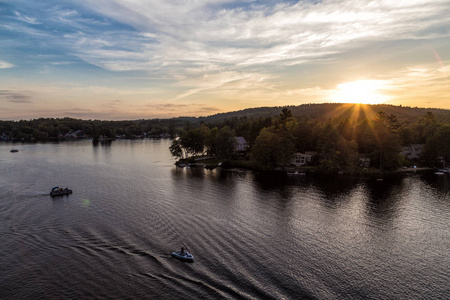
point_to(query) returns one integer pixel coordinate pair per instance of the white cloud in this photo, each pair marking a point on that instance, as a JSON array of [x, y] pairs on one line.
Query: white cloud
[[189, 32], [6, 65], [26, 19]]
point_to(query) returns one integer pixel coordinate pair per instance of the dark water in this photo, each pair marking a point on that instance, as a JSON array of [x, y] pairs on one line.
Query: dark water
[[253, 236]]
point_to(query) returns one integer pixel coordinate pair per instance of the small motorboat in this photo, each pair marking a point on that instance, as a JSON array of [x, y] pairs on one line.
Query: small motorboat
[[14, 151], [57, 191], [183, 255]]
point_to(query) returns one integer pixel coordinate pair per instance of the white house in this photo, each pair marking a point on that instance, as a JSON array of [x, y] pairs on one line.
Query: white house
[[364, 161], [413, 151], [74, 135], [241, 144], [301, 159]]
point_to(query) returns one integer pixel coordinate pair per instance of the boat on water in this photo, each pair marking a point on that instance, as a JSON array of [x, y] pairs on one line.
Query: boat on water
[[57, 191], [183, 255], [14, 151]]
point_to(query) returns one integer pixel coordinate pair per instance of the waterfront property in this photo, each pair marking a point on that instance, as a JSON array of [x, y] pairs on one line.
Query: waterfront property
[[413, 151], [241, 144], [300, 159], [364, 161]]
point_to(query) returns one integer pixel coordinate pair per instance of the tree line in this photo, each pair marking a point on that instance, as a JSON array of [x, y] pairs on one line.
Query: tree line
[[338, 142], [54, 128]]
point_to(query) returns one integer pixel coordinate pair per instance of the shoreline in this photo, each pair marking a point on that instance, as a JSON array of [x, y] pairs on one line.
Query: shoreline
[[213, 163]]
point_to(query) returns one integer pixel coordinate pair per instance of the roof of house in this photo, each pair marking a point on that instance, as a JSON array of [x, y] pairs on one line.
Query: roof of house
[[240, 139]]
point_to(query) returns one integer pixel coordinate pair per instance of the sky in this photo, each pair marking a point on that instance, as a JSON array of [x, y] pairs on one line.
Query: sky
[[145, 59]]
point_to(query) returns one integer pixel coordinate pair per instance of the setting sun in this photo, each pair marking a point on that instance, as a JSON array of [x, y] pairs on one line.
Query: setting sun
[[361, 91]]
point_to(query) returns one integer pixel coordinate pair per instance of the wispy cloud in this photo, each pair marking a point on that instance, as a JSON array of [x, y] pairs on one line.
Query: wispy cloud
[[421, 83], [169, 37], [15, 97], [202, 31], [5, 65], [209, 109], [26, 19], [167, 106]]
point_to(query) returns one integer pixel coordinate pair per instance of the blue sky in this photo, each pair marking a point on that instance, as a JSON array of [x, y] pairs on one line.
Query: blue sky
[[131, 59]]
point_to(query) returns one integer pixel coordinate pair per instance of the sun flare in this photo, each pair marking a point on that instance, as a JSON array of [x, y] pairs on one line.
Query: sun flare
[[361, 91]]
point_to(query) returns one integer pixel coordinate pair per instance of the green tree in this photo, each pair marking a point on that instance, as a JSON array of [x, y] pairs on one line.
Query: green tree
[[437, 147], [176, 149], [265, 149], [425, 128], [345, 129], [407, 136], [327, 148], [284, 127], [274, 146], [327, 142], [194, 140], [386, 132], [225, 142], [285, 123], [347, 155], [305, 140], [211, 146], [255, 128]]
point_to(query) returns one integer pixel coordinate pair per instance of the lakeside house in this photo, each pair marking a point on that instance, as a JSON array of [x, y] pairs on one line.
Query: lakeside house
[[300, 159], [78, 134], [413, 151], [241, 144], [364, 161]]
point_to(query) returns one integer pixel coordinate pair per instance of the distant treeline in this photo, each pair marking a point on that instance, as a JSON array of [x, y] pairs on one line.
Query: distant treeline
[[49, 128]]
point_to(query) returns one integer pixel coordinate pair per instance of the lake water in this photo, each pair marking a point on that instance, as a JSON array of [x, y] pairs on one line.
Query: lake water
[[254, 236]]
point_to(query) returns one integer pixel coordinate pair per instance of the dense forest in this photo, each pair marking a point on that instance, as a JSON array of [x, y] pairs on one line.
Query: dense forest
[[339, 133]]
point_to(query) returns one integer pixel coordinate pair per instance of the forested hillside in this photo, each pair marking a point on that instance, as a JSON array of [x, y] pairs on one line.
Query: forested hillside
[[339, 134], [334, 110]]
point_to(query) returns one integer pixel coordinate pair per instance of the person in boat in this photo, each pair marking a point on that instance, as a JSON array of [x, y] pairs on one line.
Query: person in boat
[[182, 251]]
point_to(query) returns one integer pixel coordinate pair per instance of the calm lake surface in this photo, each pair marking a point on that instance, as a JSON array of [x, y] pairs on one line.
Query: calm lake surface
[[253, 236]]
